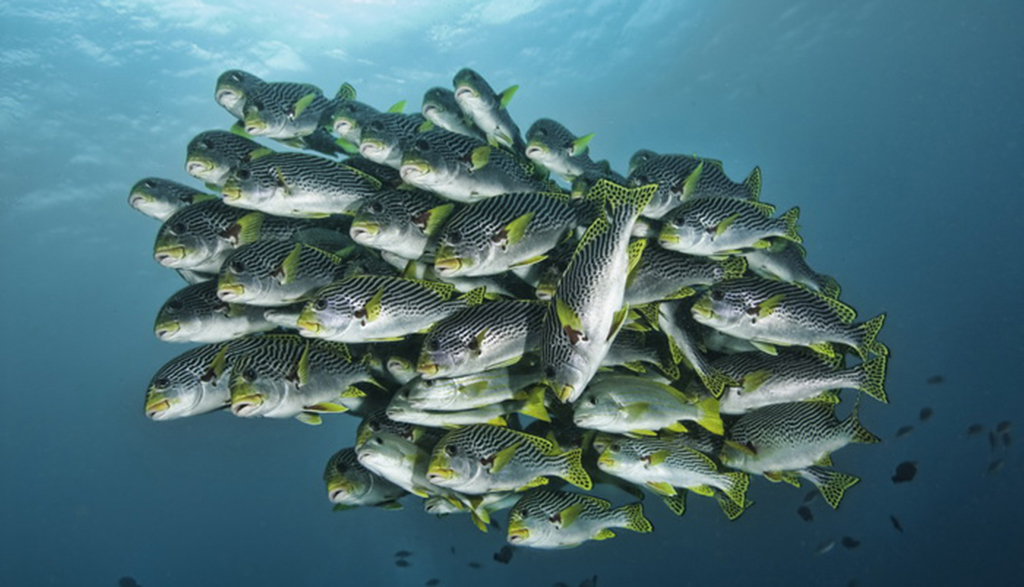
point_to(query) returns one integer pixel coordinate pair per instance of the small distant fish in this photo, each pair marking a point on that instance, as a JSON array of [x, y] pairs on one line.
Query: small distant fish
[[935, 379], [1004, 426], [403, 554], [559, 584], [432, 582], [453, 550], [127, 582], [591, 582], [905, 472], [475, 565], [974, 429], [896, 523], [810, 496], [850, 543], [805, 513], [926, 413], [1007, 440], [995, 466], [504, 555], [993, 440], [904, 430], [826, 546], [401, 563]]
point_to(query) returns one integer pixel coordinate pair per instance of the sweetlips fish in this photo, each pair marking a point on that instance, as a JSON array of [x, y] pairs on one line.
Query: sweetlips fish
[[274, 273], [384, 137], [441, 110], [723, 226], [784, 260], [560, 519], [214, 155], [473, 390], [234, 88], [553, 146], [529, 403], [350, 484], [488, 109], [402, 222], [160, 198], [662, 274], [682, 177], [196, 314], [284, 110]]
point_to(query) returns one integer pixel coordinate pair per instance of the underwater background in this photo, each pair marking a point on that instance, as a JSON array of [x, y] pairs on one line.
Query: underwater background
[[896, 126]]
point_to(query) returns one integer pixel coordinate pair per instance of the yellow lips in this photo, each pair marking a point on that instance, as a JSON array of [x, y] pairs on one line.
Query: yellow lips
[[565, 393], [167, 328], [255, 399], [175, 252], [370, 228], [157, 404], [448, 264], [227, 290], [231, 191], [427, 368], [517, 532], [606, 460], [703, 307], [668, 238]]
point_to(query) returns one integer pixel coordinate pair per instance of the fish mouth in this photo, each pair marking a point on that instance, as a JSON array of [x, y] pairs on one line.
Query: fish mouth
[[246, 405], [668, 239], [517, 535], [440, 474], [231, 192], [166, 330], [338, 490], [169, 256], [255, 126], [465, 93], [197, 167], [364, 231], [414, 170], [157, 409], [230, 291], [226, 95], [429, 110], [342, 126], [565, 393], [605, 461], [138, 200], [703, 309], [534, 150], [447, 265], [427, 368], [308, 326], [368, 148]]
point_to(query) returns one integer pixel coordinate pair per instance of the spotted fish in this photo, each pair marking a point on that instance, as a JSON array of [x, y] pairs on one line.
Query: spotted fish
[[716, 226], [682, 177], [560, 519]]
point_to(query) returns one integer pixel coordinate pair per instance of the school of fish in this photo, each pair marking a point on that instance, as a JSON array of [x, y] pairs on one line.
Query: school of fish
[[513, 323]]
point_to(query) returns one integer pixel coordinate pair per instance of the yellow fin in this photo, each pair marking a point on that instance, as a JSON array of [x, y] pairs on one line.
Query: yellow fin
[[569, 514], [310, 419], [503, 457], [515, 230], [690, 183], [662, 488], [303, 103]]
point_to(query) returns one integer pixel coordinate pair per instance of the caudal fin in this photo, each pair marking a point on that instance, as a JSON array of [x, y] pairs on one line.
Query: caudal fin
[[574, 472], [831, 484], [737, 487], [856, 431], [791, 218], [633, 518], [866, 335], [872, 378]]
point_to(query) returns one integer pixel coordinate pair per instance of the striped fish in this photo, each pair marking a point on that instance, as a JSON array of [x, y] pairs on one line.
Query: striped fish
[[488, 109], [284, 110], [363, 308], [402, 222], [385, 135], [529, 403], [769, 313], [507, 232], [662, 274], [464, 169], [554, 147], [276, 273], [483, 458], [681, 178], [723, 226], [587, 310], [473, 390], [663, 465], [160, 198], [441, 109], [213, 156], [640, 406], [346, 117], [481, 337], [284, 376], [377, 421], [401, 462], [298, 185], [792, 376], [789, 437], [784, 260], [350, 484], [234, 88], [196, 314], [560, 519]]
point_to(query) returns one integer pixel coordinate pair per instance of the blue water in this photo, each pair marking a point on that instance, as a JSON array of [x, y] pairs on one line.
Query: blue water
[[896, 126]]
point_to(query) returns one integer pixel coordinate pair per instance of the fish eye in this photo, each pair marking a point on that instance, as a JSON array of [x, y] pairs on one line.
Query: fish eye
[[249, 374], [474, 345], [149, 183], [378, 440], [615, 447], [376, 208], [678, 221], [454, 237], [550, 372], [175, 305], [320, 304], [376, 125], [243, 174], [450, 450], [161, 383], [178, 228], [374, 426], [428, 383], [525, 512], [433, 346], [592, 400], [238, 266], [422, 145], [717, 295]]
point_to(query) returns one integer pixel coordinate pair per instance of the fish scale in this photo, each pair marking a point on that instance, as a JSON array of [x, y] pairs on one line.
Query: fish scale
[[196, 314], [663, 274], [501, 331], [483, 239], [670, 172], [298, 185]]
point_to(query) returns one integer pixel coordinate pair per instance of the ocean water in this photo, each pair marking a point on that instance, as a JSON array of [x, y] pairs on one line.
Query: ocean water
[[896, 126]]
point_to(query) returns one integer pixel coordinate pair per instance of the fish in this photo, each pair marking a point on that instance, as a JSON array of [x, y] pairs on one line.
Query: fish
[[432, 582], [213, 156], [487, 109], [793, 375], [826, 546], [904, 430], [401, 462], [935, 380], [681, 178], [384, 137], [632, 348], [558, 519], [273, 273], [377, 421], [199, 237], [926, 413], [805, 513], [686, 342], [473, 390], [364, 308], [298, 185], [663, 275], [350, 484], [485, 458], [896, 523], [995, 466], [506, 232], [481, 508], [464, 169], [975, 429], [790, 437], [480, 338], [504, 555], [551, 145], [284, 110], [810, 496], [850, 543], [665, 465], [588, 308], [713, 227], [589, 582], [285, 376], [831, 484], [784, 260], [160, 198], [905, 472], [531, 403], [127, 582], [194, 382], [993, 440], [402, 222], [196, 314], [770, 313], [1004, 426], [402, 563], [234, 88], [345, 116], [474, 565], [403, 554], [639, 406], [441, 110]]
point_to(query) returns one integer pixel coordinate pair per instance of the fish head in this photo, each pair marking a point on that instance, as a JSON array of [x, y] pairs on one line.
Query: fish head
[[327, 315], [250, 272], [261, 119], [530, 523], [596, 411], [173, 393], [463, 248], [620, 456], [255, 390], [186, 241], [565, 371], [683, 232], [723, 306], [345, 479], [385, 451], [439, 106], [431, 393], [453, 463], [347, 117], [400, 368], [377, 141], [152, 197], [447, 348], [251, 185], [471, 90], [425, 164], [439, 505], [640, 158], [380, 220], [183, 314], [233, 88]]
